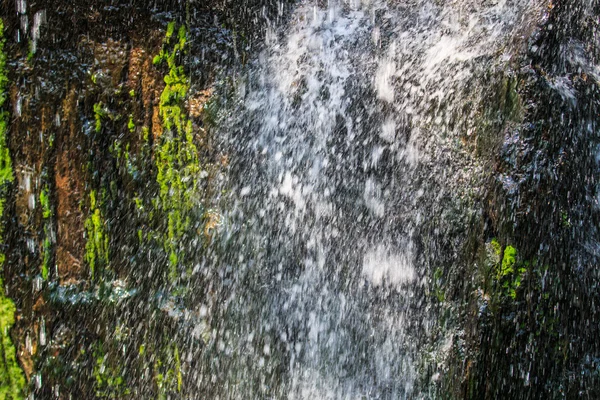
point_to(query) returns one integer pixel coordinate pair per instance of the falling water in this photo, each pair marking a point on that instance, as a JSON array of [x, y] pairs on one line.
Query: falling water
[[347, 182]]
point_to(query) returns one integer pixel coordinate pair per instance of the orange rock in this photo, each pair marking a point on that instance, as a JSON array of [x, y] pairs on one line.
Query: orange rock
[[136, 61]]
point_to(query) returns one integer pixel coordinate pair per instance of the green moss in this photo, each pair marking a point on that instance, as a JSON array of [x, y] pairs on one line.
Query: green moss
[[145, 134], [116, 149], [110, 382], [508, 262], [178, 370], [47, 244], [6, 171], [496, 247], [12, 381], [131, 124], [170, 379], [170, 31], [47, 249], [127, 152], [173, 259], [99, 114], [508, 272], [96, 248], [132, 93], [45, 203], [182, 36], [176, 154]]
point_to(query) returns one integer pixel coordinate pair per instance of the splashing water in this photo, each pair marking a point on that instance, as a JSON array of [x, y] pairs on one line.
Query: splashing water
[[348, 179]]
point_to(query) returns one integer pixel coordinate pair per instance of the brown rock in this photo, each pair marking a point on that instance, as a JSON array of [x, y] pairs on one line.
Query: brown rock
[[70, 190], [195, 104]]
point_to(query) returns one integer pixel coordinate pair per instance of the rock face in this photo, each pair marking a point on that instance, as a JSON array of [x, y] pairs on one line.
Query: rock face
[[117, 186], [91, 134]]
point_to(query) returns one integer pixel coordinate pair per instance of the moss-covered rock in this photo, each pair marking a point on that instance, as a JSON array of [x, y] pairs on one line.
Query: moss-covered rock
[[12, 380]]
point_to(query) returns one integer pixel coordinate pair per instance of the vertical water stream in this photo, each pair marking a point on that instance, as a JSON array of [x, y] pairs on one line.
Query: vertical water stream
[[349, 184]]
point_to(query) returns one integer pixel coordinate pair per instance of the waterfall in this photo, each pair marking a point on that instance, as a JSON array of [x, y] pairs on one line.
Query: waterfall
[[300, 199], [349, 177]]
